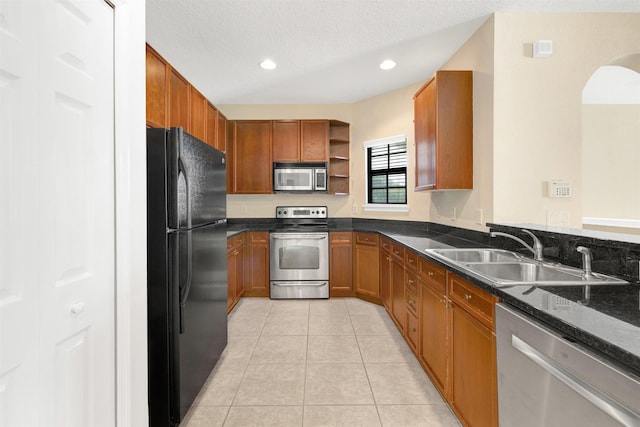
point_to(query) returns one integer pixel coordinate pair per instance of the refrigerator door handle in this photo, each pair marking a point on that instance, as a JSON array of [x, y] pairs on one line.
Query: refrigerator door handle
[[184, 290], [182, 169]]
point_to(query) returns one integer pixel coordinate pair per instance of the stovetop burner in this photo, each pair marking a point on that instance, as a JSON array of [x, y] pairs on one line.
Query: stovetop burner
[[301, 218]]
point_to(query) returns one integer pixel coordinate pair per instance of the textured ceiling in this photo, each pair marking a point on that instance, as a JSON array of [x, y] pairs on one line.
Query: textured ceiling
[[327, 51]]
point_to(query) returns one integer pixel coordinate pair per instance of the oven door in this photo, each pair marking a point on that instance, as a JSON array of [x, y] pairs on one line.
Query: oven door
[[299, 256]]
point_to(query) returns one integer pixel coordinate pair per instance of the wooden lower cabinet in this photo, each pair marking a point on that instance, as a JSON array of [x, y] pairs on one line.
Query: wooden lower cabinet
[[433, 344], [340, 264], [385, 273], [257, 265], [398, 304], [366, 276], [474, 388], [474, 395], [235, 270]]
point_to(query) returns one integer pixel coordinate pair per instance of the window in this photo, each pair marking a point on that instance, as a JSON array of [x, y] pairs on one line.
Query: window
[[387, 173]]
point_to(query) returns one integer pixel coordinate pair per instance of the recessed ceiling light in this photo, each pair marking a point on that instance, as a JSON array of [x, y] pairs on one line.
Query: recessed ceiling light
[[268, 64], [387, 64]]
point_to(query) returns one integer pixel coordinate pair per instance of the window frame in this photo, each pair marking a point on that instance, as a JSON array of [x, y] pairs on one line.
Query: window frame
[[383, 207]]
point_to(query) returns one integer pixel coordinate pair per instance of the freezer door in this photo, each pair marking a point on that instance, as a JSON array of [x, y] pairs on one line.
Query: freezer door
[[196, 181], [202, 295]]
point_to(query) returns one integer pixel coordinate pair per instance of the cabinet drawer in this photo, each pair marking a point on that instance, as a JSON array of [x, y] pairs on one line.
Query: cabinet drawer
[[397, 252], [341, 237], [235, 241], [385, 244], [412, 330], [259, 237], [432, 274], [411, 261], [474, 300], [412, 302], [370, 239], [411, 283]]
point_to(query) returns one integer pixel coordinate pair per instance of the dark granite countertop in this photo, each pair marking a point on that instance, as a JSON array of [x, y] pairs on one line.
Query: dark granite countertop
[[608, 323]]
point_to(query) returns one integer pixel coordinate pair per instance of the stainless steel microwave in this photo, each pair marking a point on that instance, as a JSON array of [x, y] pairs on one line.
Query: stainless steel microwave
[[304, 177]]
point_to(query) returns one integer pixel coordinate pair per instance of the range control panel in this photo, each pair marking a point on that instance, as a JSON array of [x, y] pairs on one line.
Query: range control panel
[[300, 212]]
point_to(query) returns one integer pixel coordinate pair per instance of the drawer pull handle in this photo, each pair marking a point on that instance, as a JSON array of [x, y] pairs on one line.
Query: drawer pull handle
[[467, 297], [410, 261], [411, 281], [430, 274]]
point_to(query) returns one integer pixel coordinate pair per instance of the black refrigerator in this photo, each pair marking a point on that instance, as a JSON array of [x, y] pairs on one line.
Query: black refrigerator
[[186, 269]]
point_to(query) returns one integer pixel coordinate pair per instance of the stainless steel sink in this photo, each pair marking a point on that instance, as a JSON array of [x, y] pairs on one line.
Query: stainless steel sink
[[476, 255], [505, 268], [525, 272]]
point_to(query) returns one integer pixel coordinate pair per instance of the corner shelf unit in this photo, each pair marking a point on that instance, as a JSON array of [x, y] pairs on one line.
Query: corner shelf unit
[[338, 157]]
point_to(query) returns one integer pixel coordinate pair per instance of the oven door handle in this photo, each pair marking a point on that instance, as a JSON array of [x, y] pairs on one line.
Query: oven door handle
[[298, 237], [285, 284]]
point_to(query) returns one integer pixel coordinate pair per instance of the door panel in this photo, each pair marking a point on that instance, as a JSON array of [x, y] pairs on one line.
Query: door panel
[[58, 257], [18, 278]]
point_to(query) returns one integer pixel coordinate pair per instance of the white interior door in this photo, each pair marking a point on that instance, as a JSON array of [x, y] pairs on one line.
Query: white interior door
[[57, 269]]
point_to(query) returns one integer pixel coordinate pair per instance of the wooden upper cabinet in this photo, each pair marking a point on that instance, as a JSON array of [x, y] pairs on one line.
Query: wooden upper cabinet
[[198, 115], [314, 140], [286, 140], [157, 75], [301, 140], [179, 105], [223, 132], [212, 125], [443, 119], [250, 157]]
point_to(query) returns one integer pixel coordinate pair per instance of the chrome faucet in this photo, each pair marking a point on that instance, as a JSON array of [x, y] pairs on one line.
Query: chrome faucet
[[586, 260], [537, 244]]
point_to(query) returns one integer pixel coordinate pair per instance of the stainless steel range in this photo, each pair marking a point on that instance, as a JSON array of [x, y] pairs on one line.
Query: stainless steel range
[[299, 261]]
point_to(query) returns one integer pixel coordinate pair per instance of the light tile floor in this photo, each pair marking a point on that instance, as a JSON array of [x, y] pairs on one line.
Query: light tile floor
[[338, 362]]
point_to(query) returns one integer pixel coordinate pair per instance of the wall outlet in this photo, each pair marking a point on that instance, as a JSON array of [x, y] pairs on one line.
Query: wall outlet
[[479, 216], [243, 209], [354, 208], [558, 218]]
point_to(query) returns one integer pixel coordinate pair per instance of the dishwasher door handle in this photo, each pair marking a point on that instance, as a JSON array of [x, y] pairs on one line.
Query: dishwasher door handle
[[610, 406]]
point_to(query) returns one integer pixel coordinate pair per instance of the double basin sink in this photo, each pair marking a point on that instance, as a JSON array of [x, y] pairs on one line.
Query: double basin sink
[[505, 268]]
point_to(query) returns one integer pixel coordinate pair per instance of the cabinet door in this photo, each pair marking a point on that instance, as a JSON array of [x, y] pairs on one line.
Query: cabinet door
[[433, 349], [385, 278], [474, 388], [179, 104], [251, 157], [366, 259], [257, 284], [425, 136], [223, 132], [157, 75], [212, 125], [232, 278], [286, 140], [198, 114], [340, 263], [314, 140], [398, 308], [443, 120]]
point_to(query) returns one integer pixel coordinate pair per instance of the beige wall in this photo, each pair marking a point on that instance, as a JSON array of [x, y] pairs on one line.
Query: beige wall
[[527, 123], [537, 106], [611, 161]]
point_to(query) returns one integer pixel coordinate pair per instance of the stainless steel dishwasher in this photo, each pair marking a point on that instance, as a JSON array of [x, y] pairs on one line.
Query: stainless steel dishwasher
[[545, 379]]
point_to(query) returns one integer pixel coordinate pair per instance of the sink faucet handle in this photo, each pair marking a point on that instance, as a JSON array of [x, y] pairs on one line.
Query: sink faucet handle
[[586, 259], [537, 244]]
